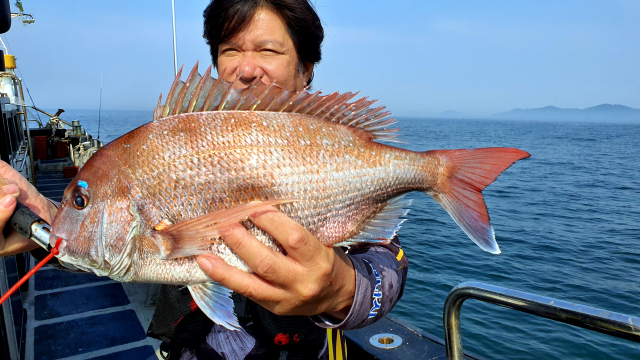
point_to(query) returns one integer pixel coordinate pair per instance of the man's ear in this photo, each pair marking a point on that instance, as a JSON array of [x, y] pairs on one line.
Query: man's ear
[[307, 72]]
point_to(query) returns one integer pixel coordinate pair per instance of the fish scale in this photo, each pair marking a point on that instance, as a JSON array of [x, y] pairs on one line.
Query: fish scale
[[159, 195], [315, 216]]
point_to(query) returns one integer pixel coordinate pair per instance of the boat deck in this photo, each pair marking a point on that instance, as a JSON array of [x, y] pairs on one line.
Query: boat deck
[[82, 316], [416, 343]]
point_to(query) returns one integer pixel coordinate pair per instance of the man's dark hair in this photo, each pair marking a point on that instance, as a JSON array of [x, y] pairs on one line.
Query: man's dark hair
[[224, 19]]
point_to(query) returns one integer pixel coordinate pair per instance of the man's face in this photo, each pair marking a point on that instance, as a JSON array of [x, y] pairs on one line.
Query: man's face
[[264, 48]]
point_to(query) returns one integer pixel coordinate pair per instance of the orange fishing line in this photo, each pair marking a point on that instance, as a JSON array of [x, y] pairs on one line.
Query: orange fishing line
[[54, 252]]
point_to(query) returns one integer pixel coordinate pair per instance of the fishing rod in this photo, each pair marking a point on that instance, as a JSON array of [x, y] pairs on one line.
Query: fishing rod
[[33, 227]]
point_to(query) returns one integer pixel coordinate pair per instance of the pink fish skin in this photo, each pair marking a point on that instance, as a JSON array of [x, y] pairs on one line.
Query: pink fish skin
[[177, 169], [145, 204]]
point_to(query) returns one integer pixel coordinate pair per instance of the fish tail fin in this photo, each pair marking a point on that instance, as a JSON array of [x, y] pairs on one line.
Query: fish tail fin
[[464, 174]]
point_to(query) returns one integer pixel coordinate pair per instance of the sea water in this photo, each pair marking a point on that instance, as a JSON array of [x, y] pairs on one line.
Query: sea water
[[567, 221]]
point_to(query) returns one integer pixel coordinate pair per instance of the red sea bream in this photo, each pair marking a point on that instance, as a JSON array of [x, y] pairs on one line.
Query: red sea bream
[[145, 204]]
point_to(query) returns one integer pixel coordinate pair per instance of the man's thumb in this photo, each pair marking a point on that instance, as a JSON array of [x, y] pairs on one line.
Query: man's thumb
[[7, 205]]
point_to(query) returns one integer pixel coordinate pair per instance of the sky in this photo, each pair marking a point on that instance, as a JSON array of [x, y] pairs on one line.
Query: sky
[[418, 58]]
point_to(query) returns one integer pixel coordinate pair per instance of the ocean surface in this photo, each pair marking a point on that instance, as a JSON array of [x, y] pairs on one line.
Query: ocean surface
[[567, 221]]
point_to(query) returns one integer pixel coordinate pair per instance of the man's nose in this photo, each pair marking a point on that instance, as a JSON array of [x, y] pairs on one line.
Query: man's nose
[[248, 69]]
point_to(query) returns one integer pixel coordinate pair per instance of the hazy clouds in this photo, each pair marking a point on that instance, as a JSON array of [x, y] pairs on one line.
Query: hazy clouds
[[416, 57]]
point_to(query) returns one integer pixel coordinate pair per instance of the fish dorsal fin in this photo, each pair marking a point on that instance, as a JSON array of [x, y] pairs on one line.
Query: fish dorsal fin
[[187, 91], [172, 96], [204, 93]]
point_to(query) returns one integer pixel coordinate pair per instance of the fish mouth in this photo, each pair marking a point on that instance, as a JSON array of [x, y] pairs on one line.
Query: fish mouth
[[67, 265], [61, 255], [61, 248]]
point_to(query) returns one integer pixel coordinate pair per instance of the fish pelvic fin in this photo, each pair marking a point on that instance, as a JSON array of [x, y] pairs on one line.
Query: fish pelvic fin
[[464, 174], [203, 93], [215, 301], [191, 237]]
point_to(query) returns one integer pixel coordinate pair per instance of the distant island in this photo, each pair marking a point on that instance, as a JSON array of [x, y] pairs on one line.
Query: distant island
[[600, 113], [604, 113], [450, 114]]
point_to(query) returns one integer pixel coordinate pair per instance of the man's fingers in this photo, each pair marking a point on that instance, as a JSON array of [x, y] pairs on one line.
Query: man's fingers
[[10, 189], [11, 176], [249, 285], [299, 243], [9, 192], [7, 205], [270, 265], [28, 194]]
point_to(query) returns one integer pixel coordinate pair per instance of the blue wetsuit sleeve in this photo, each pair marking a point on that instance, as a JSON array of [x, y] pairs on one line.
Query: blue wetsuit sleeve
[[381, 272]]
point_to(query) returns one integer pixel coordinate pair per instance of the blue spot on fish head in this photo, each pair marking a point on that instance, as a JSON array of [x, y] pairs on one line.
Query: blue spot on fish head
[[83, 184]]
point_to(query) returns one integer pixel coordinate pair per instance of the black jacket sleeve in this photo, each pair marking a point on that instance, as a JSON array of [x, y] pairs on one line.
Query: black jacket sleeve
[[381, 272]]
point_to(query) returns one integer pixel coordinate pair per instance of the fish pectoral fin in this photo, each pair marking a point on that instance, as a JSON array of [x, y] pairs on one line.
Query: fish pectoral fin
[[190, 237], [215, 301], [382, 227]]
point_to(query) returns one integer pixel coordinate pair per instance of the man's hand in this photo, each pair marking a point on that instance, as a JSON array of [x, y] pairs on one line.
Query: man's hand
[[311, 279], [14, 186]]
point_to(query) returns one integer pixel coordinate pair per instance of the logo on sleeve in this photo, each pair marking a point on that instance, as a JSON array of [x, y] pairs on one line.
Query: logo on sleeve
[[377, 292]]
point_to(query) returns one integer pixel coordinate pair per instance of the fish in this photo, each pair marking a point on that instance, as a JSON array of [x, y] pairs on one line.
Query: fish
[[146, 204]]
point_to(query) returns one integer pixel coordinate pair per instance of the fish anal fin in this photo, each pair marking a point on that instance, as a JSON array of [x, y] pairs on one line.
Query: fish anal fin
[[466, 173], [190, 237], [383, 226], [215, 301]]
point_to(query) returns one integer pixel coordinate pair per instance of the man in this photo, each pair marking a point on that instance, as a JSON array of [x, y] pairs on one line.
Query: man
[[279, 41], [276, 41]]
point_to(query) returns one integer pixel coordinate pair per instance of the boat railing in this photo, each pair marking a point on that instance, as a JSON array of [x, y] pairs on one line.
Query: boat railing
[[23, 161], [587, 317]]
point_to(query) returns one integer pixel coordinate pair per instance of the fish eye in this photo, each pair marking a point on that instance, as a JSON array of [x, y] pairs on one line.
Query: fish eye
[[80, 201]]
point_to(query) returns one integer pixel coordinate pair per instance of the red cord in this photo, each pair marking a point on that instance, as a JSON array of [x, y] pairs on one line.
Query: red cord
[[54, 252]]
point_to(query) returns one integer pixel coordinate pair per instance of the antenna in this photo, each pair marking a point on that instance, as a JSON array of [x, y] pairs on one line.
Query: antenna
[[175, 53], [100, 108]]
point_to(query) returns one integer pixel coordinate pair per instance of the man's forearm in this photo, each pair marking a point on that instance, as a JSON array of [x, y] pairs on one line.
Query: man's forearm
[[381, 272]]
